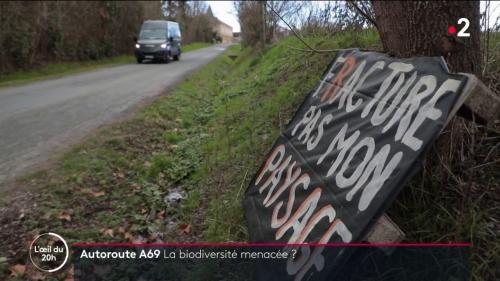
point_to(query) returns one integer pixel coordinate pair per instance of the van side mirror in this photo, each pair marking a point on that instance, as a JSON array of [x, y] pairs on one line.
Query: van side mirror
[[171, 39], [135, 39]]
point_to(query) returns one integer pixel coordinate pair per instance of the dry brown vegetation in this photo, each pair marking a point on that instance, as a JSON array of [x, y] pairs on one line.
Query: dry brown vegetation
[[35, 33]]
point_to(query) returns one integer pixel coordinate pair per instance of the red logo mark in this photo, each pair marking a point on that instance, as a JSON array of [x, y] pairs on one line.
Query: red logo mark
[[452, 29]]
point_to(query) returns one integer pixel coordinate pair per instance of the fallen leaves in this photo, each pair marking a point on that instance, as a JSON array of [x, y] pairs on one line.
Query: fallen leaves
[[160, 215], [21, 214], [108, 232], [93, 192], [128, 236], [29, 272], [17, 270], [35, 275], [70, 274], [20, 270], [65, 215], [135, 186], [168, 147], [97, 193], [121, 230], [185, 228], [153, 237]]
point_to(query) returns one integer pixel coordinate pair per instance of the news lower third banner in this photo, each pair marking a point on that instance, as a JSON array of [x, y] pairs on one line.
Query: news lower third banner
[[269, 262]]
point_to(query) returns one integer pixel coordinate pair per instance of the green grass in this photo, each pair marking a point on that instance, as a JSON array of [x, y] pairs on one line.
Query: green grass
[[195, 46], [208, 138], [55, 70]]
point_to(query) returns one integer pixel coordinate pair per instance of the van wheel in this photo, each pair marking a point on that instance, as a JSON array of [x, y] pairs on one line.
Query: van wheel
[[176, 57], [139, 60]]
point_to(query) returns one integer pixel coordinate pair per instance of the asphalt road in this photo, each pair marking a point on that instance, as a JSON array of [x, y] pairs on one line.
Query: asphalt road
[[40, 119]]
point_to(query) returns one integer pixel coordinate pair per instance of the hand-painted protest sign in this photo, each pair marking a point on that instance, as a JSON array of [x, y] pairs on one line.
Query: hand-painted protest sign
[[350, 148]]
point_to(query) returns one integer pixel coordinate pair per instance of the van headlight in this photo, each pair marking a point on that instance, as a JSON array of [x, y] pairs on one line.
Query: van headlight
[[163, 46], [137, 46]]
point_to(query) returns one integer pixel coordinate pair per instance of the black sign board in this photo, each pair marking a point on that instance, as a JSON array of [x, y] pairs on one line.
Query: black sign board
[[350, 148]]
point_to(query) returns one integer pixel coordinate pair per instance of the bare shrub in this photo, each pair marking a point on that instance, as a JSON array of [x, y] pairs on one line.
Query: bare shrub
[[35, 33]]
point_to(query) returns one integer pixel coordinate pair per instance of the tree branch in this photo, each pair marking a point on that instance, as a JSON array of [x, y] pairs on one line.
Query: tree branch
[[363, 13]]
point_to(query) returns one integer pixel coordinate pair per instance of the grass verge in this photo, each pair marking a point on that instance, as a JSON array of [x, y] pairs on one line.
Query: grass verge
[[195, 46], [55, 70]]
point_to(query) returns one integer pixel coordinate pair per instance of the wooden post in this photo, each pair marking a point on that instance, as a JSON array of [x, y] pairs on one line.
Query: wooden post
[[481, 102], [385, 231]]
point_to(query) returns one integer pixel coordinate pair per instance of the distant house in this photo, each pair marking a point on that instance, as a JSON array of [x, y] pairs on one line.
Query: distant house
[[236, 37], [222, 30]]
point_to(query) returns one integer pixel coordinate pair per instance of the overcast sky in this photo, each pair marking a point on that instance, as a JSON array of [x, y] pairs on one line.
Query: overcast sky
[[224, 10]]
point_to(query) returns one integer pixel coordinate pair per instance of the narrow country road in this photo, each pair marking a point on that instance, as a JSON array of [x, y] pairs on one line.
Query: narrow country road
[[39, 119]]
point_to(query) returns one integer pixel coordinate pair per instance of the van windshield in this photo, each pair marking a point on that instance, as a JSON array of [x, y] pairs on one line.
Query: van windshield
[[152, 34]]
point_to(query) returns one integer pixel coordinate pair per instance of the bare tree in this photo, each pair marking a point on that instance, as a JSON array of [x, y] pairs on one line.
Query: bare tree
[[335, 16], [260, 22], [288, 10], [194, 18], [250, 18], [33, 33]]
